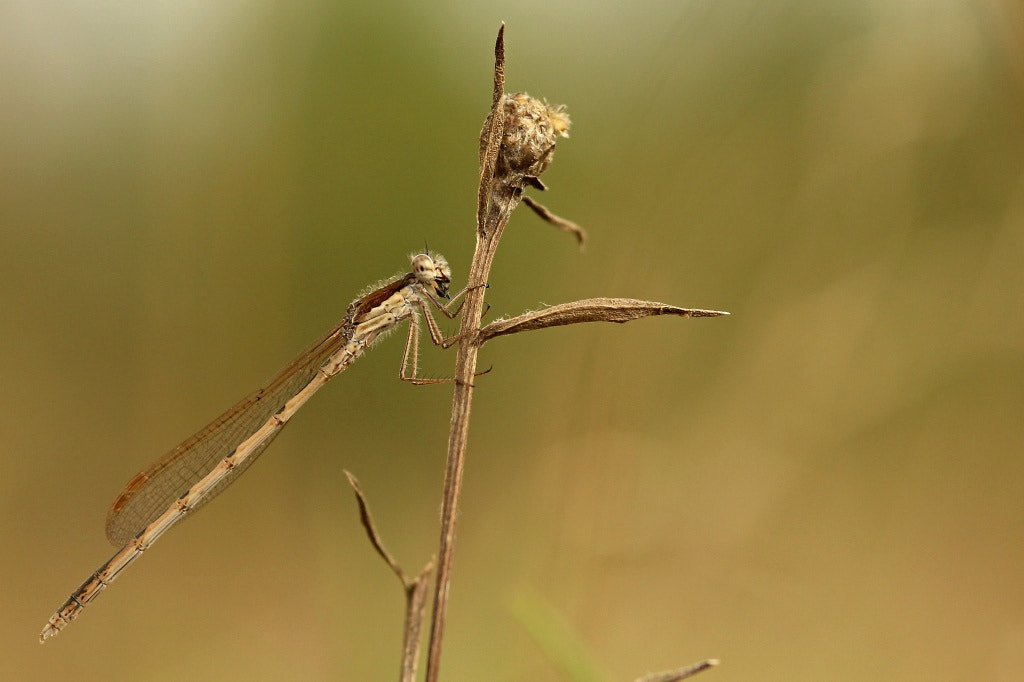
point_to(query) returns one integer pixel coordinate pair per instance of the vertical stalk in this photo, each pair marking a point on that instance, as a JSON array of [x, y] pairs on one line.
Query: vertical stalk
[[465, 368], [516, 146]]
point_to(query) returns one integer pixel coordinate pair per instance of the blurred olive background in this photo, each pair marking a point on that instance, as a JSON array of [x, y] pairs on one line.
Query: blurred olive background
[[826, 485]]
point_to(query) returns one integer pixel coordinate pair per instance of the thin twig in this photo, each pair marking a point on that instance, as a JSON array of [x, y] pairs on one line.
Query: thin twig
[[679, 673], [371, 529], [556, 220], [415, 603], [415, 589], [487, 236]]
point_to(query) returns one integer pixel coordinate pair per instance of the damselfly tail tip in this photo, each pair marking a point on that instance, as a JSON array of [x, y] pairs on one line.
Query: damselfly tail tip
[[48, 632], [56, 623]]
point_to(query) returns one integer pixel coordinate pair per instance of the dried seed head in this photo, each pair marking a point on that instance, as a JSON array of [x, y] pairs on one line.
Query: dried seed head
[[528, 140]]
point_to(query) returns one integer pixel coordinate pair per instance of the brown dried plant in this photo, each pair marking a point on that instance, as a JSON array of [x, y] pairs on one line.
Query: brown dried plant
[[517, 145]]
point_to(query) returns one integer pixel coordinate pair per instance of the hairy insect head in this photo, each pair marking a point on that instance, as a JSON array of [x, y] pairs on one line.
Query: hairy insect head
[[432, 272]]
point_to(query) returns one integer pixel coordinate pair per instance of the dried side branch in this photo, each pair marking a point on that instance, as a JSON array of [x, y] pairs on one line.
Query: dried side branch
[[415, 603], [679, 673], [618, 310], [371, 529], [559, 222], [415, 589]]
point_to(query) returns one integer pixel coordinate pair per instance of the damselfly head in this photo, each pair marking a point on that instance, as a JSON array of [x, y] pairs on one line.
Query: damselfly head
[[432, 272]]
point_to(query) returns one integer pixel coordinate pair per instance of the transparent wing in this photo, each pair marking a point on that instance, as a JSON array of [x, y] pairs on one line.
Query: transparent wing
[[151, 492]]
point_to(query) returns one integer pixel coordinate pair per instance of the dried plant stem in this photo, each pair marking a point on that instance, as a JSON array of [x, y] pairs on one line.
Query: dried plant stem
[[466, 359], [465, 369], [415, 588], [516, 145]]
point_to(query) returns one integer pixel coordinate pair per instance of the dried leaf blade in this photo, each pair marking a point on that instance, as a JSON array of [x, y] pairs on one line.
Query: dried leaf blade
[[679, 673], [618, 310]]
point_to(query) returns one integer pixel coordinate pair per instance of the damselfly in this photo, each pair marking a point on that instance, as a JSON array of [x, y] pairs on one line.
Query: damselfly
[[200, 468]]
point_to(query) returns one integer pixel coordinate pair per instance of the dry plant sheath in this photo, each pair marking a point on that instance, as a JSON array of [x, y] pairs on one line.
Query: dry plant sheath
[[517, 144]]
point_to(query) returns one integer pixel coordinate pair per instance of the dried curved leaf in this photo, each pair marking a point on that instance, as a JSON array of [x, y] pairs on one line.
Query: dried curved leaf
[[371, 530], [558, 221], [618, 310], [415, 589], [681, 673]]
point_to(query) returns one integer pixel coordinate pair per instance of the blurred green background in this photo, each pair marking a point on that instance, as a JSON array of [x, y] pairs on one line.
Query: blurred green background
[[828, 485]]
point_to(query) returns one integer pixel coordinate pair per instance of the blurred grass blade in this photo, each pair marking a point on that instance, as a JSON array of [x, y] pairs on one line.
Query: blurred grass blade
[[559, 641]]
